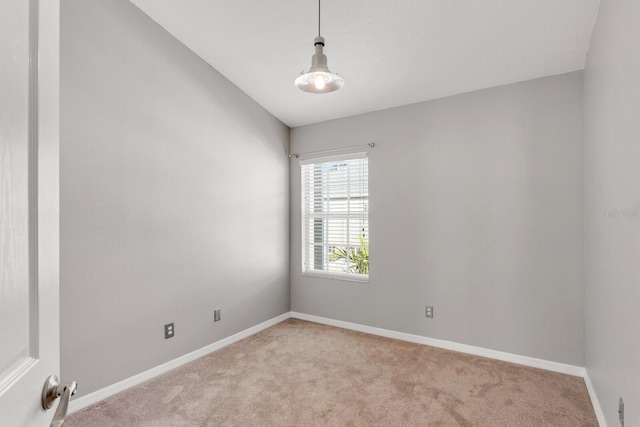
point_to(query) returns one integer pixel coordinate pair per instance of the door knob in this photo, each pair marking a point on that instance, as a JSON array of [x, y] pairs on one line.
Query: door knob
[[51, 391]]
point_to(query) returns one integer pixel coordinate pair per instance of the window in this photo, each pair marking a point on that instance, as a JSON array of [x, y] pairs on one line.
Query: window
[[335, 217]]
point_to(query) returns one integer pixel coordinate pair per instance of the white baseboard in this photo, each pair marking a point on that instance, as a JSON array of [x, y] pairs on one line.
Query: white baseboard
[[563, 368], [594, 400], [95, 397]]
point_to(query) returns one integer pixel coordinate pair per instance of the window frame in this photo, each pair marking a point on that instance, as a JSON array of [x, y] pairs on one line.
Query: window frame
[[349, 216]]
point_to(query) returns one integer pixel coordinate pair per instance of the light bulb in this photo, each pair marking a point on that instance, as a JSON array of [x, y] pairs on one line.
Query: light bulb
[[319, 81]]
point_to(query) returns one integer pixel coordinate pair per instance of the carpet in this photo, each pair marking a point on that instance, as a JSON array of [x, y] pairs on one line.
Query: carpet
[[299, 373]]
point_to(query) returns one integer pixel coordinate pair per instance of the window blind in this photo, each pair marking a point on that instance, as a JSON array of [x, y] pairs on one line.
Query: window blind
[[335, 216]]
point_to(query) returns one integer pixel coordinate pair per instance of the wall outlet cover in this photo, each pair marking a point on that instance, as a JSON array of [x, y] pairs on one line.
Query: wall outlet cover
[[169, 331], [429, 311]]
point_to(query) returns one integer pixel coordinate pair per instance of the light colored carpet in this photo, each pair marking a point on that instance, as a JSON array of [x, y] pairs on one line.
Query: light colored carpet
[[299, 373]]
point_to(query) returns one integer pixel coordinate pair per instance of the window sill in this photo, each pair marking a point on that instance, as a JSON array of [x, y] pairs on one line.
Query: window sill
[[359, 278]]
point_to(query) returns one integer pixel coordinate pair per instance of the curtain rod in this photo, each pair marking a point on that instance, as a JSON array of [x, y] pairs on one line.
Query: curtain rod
[[297, 155]]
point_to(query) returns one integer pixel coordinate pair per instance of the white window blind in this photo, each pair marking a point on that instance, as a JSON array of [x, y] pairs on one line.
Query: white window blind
[[335, 217]]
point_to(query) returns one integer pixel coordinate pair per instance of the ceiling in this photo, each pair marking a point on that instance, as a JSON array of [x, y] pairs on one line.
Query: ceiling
[[390, 52]]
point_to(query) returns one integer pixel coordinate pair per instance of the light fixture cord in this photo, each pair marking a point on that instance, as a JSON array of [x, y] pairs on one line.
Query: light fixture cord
[[318, 18]]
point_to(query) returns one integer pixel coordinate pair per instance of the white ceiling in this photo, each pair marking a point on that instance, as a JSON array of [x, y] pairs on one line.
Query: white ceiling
[[390, 52]]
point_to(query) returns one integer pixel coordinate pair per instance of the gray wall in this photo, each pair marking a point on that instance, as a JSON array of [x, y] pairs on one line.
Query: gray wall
[[477, 209], [174, 198], [612, 209]]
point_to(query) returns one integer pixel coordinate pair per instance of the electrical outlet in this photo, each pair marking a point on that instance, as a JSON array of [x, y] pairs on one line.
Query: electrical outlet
[[217, 314], [429, 311], [168, 331], [621, 411]]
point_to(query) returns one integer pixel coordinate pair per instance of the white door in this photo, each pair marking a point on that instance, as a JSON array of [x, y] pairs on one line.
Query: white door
[[29, 193]]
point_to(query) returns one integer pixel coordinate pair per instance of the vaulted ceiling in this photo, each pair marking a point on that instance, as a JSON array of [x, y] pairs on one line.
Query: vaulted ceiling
[[390, 52]]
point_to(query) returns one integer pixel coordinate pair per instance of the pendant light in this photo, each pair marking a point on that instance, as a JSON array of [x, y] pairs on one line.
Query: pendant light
[[319, 79]]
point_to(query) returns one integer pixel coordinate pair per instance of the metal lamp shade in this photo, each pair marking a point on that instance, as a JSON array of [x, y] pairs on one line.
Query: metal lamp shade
[[319, 79]]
